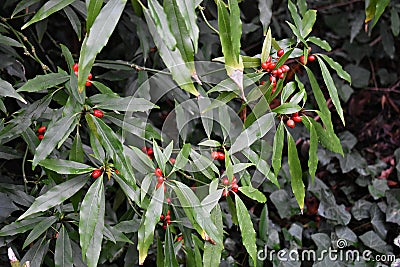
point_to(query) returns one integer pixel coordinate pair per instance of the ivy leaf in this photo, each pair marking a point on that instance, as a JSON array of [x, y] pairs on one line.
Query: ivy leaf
[[247, 229], [295, 172]]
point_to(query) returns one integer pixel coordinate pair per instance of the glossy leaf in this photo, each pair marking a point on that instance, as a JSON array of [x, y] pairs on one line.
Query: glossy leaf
[[63, 250], [395, 21], [265, 10], [210, 143], [149, 222], [74, 20], [295, 16], [183, 157], [296, 173], [321, 43], [308, 22], [47, 9], [287, 108], [62, 166], [379, 9], [247, 229], [266, 48], [91, 222], [253, 193], [4, 40], [22, 5], [100, 32], [312, 153], [39, 229], [56, 195], [93, 8], [169, 251], [287, 91], [6, 89], [337, 67], [19, 227], [76, 153], [188, 10], [161, 22], [36, 253], [132, 104], [212, 253]]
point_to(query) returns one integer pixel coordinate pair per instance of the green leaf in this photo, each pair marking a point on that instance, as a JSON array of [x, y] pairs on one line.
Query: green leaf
[[161, 22], [63, 166], [321, 43], [169, 251], [36, 253], [287, 91], [63, 251], [6, 89], [236, 27], [91, 222], [210, 143], [100, 32], [47, 9], [287, 108], [337, 67], [295, 16], [212, 253], [39, 229], [263, 226], [277, 148], [265, 10], [132, 104], [56, 195], [296, 173], [22, 5], [160, 253], [54, 134], [380, 8], [188, 10], [308, 22], [331, 89], [183, 157], [297, 33], [93, 8], [312, 153], [266, 48], [4, 40], [19, 227], [247, 229], [74, 20], [253, 133], [76, 153], [395, 22], [253, 193], [149, 222]]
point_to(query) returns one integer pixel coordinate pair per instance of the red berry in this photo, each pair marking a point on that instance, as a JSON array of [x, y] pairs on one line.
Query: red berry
[[279, 71], [144, 149], [225, 181], [160, 179], [235, 188], [285, 68], [282, 75], [96, 173], [296, 118], [164, 226], [262, 82], [168, 217], [150, 151], [42, 129], [98, 113], [272, 79], [75, 67], [168, 221], [88, 83], [275, 72], [161, 217], [272, 65], [40, 136], [269, 59], [158, 185], [116, 171], [290, 123], [168, 212], [221, 156], [158, 172], [311, 58], [214, 154], [90, 76], [302, 59], [273, 90], [234, 180], [180, 238], [264, 65], [225, 193], [76, 73], [280, 52], [172, 160], [168, 200]]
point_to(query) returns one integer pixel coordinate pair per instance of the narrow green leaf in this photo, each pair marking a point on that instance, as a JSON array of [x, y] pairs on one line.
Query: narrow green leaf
[[183, 157], [266, 48], [225, 34], [247, 229], [22, 5], [63, 166], [277, 149], [236, 27], [265, 10], [74, 20], [308, 22], [47, 9], [149, 222], [296, 173], [321, 43], [91, 222], [331, 89], [188, 10], [169, 251], [159, 156], [337, 67], [6, 89], [53, 135], [221, 100], [161, 22], [295, 16], [253, 193], [132, 104], [19, 227], [263, 226], [39, 229], [210, 143], [76, 153], [380, 8], [287, 108], [287, 91], [313, 157], [297, 33], [4, 40], [68, 57], [100, 32], [212, 253], [395, 21], [93, 8], [36, 253], [56, 195], [63, 251], [160, 253]]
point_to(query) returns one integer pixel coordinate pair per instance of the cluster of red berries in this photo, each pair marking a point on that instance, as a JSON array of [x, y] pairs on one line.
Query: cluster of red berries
[[291, 122], [166, 219], [179, 239], [89, 78], [98, 113], [218, 155], [149, 151], [310, 58], [279, 72], [160, 178], [41, 130], [97, 173], [234, 186]]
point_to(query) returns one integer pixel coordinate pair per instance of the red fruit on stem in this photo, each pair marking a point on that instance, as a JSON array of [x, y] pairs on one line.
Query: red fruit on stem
[[225, 181], [90, 76], [264, 65], [75, 67], [168, 217], [225, 193], [96, 173], [279, 71], [221, 156], [160, 179], [168, 200], [164, 226], [42, 129], [158, 172], [272, 65], [272, 79], [290, 123], [234, 180], [214, 154], [296, 118], [235, 188], [275, 72], [168, 212], [158, 185], [302, 59], [286, 68], [150, 151], [116, 171], [269, 59], [180, 238], [165, 188], [280, 52], [161, 217], [262, 82], [40, 136], [282, 75], [98, 113], [172, 160], [88, 83], [311, 58], [76, 73]]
